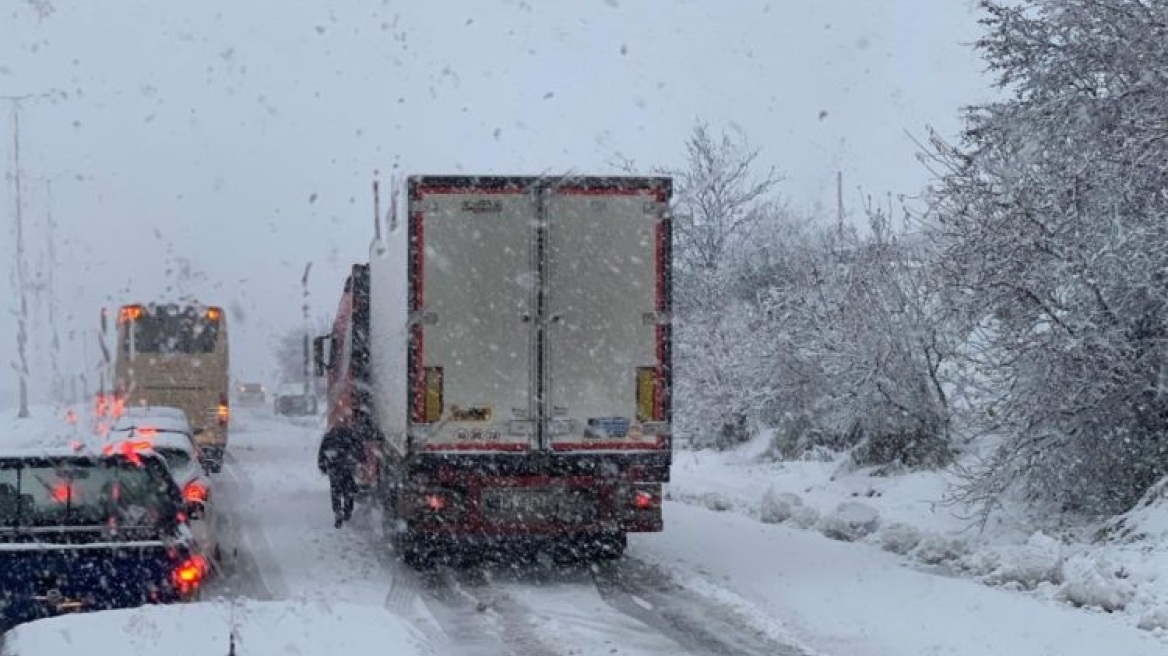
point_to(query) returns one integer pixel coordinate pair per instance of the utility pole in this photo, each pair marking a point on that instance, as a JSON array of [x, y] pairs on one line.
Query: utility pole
[[21, 272], [57, 387], [304, 308], [839, 202]]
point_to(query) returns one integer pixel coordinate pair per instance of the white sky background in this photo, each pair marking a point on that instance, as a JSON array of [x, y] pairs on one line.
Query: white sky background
[[200, 131]]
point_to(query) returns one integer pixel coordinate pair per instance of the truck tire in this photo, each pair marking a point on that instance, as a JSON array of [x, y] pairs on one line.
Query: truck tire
[[611, 547], [412, 550]]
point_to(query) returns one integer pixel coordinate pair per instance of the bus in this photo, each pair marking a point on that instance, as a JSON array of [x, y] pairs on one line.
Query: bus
[[176, 355]]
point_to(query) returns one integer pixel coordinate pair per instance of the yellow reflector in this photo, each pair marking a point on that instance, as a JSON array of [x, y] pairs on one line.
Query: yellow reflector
[[646, 381], [433, 394]]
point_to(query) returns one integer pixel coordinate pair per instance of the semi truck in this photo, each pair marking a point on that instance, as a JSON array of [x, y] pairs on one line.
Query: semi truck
[[505, 358]]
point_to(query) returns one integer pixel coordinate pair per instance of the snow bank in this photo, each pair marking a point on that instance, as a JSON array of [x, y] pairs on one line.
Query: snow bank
[[1038, 561], [261, 629], [1094, 582], [851, 521], [899, 538], [778, 507], [907, 515]]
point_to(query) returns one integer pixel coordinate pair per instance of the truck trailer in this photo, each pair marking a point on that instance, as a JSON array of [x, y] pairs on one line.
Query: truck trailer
[[505, 356]]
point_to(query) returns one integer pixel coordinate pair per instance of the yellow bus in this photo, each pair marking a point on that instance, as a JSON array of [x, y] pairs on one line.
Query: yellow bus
[[177, 355]]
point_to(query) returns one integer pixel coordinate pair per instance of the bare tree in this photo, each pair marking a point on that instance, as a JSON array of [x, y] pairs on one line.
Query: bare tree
[[721, 196]]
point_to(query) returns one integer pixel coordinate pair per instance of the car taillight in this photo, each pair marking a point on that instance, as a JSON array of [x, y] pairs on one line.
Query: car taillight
[[223, 412], [435, 502], [643, 500], [189, 574], [195, 492]]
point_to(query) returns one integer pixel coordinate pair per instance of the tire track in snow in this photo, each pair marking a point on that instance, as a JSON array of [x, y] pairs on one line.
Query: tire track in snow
[[461, 619], [256, 571], [700, 624]]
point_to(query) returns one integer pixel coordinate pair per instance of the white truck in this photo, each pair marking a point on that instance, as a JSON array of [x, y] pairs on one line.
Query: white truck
[[506, 357]]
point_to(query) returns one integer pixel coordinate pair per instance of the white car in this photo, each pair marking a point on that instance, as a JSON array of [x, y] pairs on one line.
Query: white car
[[171, 438], [291, 401]]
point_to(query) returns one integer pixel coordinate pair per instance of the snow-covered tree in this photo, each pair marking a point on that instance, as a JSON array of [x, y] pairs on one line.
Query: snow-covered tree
[[721, 199], [1053, 218]]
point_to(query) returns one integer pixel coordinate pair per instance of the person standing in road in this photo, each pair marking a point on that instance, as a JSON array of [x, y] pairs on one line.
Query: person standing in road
[[340, 452]]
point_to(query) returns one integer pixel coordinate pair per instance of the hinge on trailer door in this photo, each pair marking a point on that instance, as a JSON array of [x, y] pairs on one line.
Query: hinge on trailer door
[[423, 318], [656, 318]]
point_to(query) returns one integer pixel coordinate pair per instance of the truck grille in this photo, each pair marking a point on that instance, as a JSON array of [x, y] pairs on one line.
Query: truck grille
[[538, 506]]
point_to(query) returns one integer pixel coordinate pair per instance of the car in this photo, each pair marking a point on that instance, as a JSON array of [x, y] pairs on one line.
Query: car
[[292, 401], [84, 529], [251, 394], [181, 455], [161, 419]]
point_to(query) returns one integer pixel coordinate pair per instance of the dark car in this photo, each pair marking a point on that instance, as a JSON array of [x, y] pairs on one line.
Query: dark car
[[251, 394], [86, 531]]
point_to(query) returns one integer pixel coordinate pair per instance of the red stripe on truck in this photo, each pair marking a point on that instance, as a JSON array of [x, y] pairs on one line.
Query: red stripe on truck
[[609, 446], [491, 446], [447, 189], [416, 304]]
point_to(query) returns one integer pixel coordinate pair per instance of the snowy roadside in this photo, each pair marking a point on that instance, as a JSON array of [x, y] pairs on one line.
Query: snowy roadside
[[906, 515], [256, 628]]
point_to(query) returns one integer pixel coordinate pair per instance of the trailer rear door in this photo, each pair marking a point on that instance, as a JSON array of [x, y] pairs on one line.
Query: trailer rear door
[[606, 317], [472, 289]]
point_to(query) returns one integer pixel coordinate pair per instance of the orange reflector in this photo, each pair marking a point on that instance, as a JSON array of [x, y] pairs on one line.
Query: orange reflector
[[222, 413]]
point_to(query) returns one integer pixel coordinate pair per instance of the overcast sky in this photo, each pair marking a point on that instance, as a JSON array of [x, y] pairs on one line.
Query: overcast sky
[[216, 147]]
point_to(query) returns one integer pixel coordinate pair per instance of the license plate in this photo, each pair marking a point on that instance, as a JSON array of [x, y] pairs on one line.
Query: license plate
[[538, 506]]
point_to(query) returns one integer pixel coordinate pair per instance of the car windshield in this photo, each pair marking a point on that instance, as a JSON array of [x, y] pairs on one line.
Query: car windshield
[[81, 492], [176, 459]]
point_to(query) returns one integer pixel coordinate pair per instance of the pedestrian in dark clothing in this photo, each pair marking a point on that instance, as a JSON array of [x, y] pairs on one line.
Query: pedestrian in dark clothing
[[340, 453]]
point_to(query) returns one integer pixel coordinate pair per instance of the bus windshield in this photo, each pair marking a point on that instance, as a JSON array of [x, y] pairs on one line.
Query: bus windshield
[[171, 330]]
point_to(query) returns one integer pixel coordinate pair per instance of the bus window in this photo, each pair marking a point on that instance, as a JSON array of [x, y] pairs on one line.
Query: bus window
[[171, 330]]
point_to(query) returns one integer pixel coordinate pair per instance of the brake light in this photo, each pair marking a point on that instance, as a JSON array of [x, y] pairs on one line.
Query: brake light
[[127, 449], [190, 573], [195, 492], [130, 313], [61, 492], [435, 502], [643, 500], [223, 412]]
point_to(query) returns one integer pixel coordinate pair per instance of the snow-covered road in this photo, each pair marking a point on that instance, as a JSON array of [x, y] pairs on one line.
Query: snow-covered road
[[276, 510], [711, 583]]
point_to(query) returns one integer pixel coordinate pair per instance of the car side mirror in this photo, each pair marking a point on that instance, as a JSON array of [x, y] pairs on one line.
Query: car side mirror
[[319, 358]]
